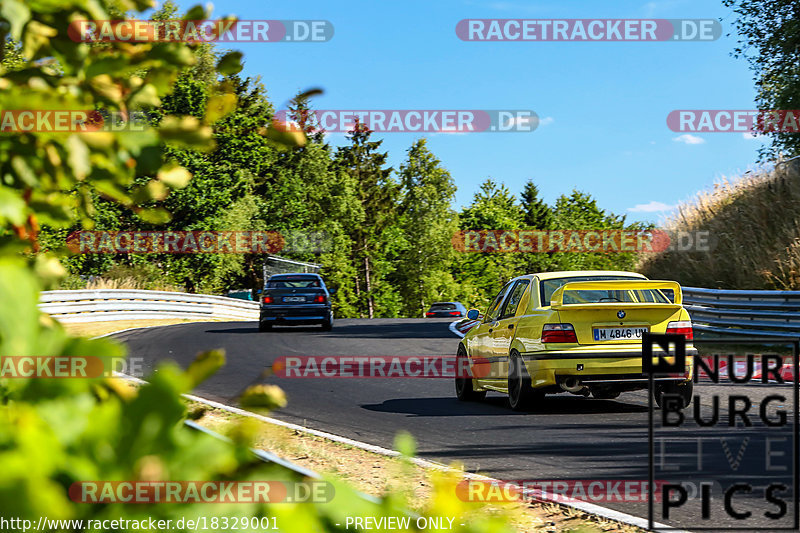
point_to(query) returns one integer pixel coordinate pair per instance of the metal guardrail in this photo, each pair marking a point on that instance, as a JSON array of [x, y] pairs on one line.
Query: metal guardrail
[[731, 312], [122, 304], [752, 313]]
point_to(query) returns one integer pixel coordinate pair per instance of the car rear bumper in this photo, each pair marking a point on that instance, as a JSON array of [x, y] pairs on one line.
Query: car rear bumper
[[294, 314], [593, 367]]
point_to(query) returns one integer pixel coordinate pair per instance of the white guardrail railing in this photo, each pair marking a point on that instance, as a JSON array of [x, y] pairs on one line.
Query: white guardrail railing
[[751, 313], [726, 312], [121, 304]]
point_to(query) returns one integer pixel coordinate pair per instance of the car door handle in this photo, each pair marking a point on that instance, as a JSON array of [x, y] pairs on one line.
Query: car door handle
[[511, 326], [490, 330]]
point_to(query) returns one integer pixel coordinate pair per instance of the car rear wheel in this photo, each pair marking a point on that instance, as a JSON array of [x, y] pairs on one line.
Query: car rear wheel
[[683, 390], [328, 324], [465, 391], [263, 326], [521, 396]]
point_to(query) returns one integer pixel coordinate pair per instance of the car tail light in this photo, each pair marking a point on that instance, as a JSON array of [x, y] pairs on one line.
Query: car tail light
[[559, 333], [429, 313], [267, 299], [455, 313], [681, 327], [319, 299]]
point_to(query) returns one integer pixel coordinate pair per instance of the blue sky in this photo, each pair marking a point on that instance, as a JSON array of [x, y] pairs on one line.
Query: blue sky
[[603, 104]]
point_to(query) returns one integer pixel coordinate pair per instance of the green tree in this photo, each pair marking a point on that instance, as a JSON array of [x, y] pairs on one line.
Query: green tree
[[493, 208], [579, 211], [377, 192], [537, 216], [427, 222], [769, 37]]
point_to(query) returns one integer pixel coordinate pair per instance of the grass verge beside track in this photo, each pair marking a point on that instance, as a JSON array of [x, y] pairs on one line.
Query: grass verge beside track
[[94, 329], [376, 474]]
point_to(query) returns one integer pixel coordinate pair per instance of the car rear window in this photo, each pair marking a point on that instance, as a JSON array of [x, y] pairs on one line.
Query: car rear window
[[293, 282], [549, 286], [442, 307]]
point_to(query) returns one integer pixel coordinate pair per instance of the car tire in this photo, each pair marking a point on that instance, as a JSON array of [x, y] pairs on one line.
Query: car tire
[[328, 324], [684, 390], [465, 390], [605, 394], [521, 396], [263, 326]]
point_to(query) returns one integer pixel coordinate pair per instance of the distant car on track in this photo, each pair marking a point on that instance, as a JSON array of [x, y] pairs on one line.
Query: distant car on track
[[579, 332], [446, 310], [295, 299]]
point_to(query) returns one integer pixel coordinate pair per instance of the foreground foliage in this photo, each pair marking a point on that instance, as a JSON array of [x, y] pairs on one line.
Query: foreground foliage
[[54, 432]]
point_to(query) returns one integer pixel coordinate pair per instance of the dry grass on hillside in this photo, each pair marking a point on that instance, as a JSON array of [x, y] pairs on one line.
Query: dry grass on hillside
[[754, 224], [130, 284]]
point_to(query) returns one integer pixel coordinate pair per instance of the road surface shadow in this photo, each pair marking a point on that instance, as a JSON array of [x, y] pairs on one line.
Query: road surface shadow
[[253, 330], [494, 405], [365, 329]]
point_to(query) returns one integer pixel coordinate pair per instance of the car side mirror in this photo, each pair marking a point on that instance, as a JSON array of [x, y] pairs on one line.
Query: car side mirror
[[473, 314], [331, 291]]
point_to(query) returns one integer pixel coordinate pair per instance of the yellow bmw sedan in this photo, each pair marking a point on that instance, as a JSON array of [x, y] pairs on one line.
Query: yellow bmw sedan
[[575, 332]]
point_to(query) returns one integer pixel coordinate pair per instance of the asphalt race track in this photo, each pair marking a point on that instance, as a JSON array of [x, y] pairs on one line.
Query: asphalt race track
[[570, 438]]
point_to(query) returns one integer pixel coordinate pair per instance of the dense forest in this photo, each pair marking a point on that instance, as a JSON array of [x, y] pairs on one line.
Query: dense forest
[[387, 247]]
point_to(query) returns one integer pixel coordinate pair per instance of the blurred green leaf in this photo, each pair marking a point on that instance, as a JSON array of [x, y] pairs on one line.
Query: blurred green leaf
[[219, 106], [12, 207], [283, 136], [174, 175], [205, 365], [17, 14], [197, 12], [156, 215], [145, 98], [316, 91], [106, 65], [78, 157], [405, 444], [230, 63], [186, 131], [268, 397]]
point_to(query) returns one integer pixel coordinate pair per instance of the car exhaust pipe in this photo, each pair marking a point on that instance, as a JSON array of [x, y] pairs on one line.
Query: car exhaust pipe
[[572, 384]]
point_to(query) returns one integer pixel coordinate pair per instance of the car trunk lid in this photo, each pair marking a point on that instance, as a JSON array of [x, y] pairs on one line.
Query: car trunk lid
[[294, 295], [616, 311]]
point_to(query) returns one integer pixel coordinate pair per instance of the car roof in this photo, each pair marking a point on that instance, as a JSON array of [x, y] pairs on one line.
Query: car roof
[[287, 274], [577, 273], [439, 303]]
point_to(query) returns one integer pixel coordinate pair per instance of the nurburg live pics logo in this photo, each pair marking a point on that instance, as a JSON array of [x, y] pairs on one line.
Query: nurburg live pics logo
[[737, 468]]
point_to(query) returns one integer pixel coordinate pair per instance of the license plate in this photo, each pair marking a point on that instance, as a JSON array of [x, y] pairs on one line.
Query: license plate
[[613, 334], [294, 299]]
